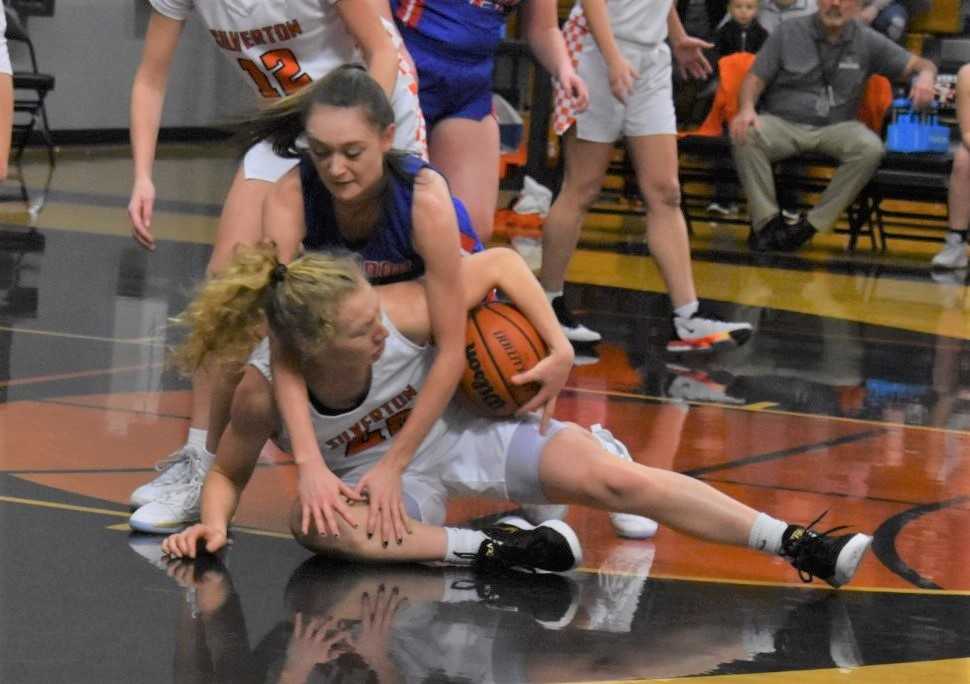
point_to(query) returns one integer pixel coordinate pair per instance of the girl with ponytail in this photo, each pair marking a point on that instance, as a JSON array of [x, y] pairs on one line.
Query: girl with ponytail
[[366, 352], [353, 190], [277, 48]]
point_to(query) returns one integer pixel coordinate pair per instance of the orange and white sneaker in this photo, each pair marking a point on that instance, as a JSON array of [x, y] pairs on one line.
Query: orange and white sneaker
[[705, 332]]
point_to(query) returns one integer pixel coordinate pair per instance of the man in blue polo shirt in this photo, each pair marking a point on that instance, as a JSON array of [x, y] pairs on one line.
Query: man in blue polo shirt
[[810, 76]]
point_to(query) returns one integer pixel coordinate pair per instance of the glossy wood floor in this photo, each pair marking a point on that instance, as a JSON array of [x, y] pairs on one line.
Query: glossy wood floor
[[853, 397]]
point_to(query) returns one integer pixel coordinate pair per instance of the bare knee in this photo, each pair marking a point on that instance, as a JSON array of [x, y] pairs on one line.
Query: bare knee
[[253, 408], [662, 192], [581, 193], [351, 543], [961, 164]]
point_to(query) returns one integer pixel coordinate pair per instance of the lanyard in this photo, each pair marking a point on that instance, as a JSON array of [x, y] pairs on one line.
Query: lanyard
[[826, 98]]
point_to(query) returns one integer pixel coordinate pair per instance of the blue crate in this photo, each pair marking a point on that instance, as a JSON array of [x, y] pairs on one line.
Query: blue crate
[[912, 131]]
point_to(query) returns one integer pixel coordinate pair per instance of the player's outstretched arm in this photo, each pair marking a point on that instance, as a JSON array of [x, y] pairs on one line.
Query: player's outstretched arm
[[505, 269]]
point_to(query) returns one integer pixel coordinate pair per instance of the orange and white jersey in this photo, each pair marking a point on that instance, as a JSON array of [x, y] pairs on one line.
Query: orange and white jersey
[[282, 45], [279, 45]]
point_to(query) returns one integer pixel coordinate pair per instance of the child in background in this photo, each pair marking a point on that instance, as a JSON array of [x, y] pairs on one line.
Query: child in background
[[741, 33]]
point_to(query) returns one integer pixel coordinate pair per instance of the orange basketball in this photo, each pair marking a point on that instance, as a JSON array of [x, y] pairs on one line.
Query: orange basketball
[[500, 342]]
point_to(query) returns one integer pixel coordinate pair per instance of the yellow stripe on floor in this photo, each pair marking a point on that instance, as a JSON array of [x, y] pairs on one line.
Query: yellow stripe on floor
[[926, 307], [954, 671]]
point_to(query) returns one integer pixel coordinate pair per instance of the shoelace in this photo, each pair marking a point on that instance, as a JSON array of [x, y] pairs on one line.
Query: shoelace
[[192, 488], [491, 563], [176, 458], [802, 547]]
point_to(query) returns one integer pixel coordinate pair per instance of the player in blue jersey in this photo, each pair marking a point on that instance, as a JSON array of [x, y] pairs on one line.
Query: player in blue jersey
[[398, 214], [453, 44]]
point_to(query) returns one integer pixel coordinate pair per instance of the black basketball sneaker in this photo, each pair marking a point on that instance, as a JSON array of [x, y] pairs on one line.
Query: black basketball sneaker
[[818, 554], [514, 543]]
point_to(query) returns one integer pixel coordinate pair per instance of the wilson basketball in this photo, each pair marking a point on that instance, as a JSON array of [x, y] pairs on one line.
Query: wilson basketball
[[500, 343]]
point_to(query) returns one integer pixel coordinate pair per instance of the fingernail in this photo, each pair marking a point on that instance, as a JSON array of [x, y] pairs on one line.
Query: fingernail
[[370, 535], [400, 541], [385, 544]]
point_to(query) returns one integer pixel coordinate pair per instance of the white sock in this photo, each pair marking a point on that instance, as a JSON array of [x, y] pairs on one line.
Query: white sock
[[197, 437], [766, 534], [462, 541], [687, 310], [208, 458], [956, 236], [552, 295]]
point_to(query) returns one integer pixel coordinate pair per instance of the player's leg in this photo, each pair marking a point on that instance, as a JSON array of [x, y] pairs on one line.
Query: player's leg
[[238, 223], [466, 151], [586, 163], [575, 468]]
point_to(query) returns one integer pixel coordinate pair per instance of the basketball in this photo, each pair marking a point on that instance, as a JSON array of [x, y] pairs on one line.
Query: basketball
[[500, 343]]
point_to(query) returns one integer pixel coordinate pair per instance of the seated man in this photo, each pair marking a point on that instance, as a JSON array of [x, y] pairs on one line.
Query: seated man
[[954, 254], [810, 76]]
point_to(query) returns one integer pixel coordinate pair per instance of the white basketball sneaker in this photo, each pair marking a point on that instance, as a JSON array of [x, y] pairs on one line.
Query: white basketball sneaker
[[625, 524], [953, 254], [178, 505], [539, 513], [173, 470], [573, 329], [705, 332]]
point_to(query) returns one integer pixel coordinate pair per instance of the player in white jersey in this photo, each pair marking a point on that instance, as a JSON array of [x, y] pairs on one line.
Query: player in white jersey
[[279, 46], [363, 350]]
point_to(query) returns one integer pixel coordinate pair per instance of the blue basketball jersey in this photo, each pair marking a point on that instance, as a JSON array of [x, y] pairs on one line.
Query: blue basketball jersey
[[388, 254], [464, 26]]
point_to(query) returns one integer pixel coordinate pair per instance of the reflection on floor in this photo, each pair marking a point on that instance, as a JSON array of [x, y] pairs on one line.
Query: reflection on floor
[[853, 395]]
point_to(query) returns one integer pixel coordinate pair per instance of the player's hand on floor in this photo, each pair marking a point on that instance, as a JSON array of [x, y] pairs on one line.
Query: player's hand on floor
[[184, 544]]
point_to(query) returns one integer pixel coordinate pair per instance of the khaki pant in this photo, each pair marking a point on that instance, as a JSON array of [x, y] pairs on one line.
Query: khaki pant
[[857, 148]]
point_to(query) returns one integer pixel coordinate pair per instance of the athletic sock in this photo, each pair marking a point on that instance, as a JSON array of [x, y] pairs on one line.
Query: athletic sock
[[687, 310], [766, 534], [197, 437], [462, 545]]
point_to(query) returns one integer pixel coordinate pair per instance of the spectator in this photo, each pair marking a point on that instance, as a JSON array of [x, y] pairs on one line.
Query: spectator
[[809, 76], [954, 254], [741, 33], [891, 17], [772, 13]]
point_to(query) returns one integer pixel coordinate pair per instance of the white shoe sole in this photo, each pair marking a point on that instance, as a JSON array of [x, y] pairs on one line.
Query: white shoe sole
[[154, 522], [632, 526], [581, 334], [849, 558], [567, 532]]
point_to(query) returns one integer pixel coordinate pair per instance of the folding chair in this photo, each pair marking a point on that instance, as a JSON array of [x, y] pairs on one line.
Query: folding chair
[[31, 87]]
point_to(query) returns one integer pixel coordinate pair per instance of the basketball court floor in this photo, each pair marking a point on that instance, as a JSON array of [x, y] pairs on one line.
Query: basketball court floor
[[853, 397]]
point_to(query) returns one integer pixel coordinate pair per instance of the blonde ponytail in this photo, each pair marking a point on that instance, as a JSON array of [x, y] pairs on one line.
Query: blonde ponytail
[[298, 302]]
